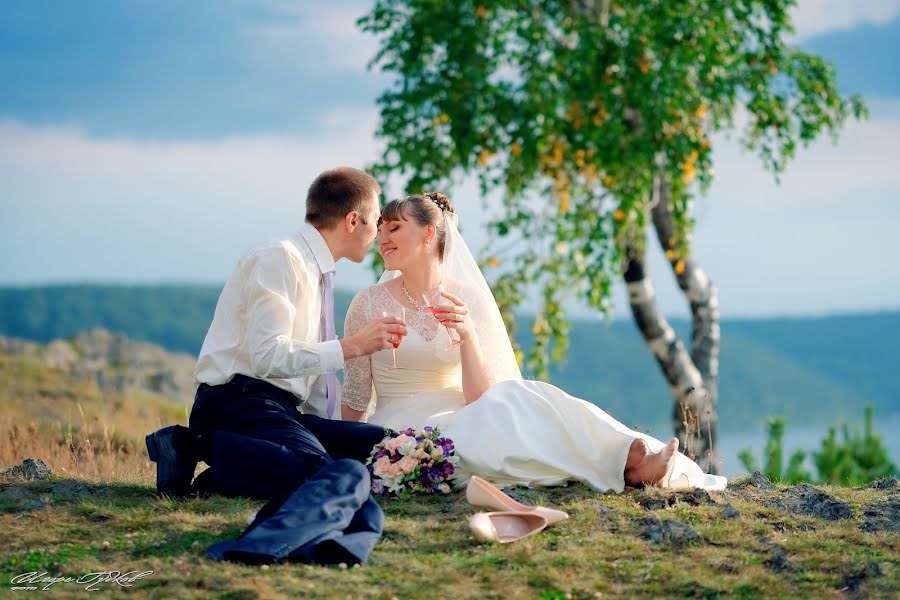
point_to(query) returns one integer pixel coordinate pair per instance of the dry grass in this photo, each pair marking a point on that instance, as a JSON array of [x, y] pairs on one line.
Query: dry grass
[[77, 429], [116, 521]]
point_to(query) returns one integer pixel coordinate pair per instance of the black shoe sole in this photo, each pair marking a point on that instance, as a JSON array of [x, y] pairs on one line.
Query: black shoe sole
[[154, 453]]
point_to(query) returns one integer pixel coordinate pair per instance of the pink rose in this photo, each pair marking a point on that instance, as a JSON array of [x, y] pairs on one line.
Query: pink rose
[[407, 464], [381, 466]]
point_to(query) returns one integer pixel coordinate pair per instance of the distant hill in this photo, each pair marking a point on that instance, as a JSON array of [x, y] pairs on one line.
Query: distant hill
[[813, 370]]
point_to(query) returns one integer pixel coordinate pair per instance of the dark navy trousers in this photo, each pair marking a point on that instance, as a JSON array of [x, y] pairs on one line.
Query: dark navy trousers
[[307, 467]]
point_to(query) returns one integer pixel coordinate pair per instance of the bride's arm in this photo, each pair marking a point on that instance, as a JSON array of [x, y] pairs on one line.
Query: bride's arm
[[356, 393], [476, 378]]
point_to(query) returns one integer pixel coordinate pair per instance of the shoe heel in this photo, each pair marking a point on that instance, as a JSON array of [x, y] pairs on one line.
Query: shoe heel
[[151, 448]]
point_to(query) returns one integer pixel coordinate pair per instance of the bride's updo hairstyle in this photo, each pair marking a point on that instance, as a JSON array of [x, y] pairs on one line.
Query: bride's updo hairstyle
[[425, 209]]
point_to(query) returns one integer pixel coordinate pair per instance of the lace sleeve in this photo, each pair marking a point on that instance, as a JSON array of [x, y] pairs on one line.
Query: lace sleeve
[[357, 391]]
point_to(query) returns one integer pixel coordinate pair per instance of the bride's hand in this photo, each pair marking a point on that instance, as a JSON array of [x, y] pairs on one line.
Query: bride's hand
[[455, 316]]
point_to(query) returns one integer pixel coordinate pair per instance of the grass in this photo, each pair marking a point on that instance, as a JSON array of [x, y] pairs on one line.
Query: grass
[[116, 521]]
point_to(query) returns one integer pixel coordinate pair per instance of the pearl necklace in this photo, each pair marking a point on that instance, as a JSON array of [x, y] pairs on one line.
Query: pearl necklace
[[418, 307]]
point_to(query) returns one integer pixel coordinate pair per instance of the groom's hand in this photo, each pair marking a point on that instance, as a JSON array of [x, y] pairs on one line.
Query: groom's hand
[[378, 334]]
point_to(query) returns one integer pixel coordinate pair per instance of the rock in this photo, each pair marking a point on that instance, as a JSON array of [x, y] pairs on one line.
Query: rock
[[854, 580], [756, 480], [886, 483], [71, 489], [603, 510], [762, 482], [730, 512], [31, 469], [60, 354], [21, 498], [113, 362], [883, 517], [675, 533], [695, 497], [778, 560], [652, 499], [805, 499]]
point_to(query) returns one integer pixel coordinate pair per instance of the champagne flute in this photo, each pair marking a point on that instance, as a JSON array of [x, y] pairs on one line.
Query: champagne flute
[[396, 344], [434, 311]]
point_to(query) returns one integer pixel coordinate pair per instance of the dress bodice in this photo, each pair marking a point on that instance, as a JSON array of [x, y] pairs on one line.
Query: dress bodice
[[424, 367], [429, 378]]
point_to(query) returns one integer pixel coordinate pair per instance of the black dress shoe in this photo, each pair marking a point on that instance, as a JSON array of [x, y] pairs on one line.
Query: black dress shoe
[[174, 470]]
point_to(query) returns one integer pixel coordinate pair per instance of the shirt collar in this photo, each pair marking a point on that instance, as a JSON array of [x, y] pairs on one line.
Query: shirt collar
[[319, 248]]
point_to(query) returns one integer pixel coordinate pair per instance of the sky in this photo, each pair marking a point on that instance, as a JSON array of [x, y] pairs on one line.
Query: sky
[[155, 141]]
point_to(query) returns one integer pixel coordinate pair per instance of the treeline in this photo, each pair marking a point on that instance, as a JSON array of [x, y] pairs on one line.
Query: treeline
[[808, 370]]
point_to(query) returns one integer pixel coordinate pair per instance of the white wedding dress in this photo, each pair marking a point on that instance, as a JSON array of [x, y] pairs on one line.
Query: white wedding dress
[[517, 432]]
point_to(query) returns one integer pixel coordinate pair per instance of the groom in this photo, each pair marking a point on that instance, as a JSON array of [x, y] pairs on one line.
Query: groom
[[262, 414]]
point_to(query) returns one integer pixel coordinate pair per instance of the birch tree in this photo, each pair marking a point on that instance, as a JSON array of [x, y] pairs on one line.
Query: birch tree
[[592, 120]]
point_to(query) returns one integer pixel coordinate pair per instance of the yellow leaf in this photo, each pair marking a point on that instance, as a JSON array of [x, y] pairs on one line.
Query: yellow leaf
[[701, 111], [608, 180], [443, 118], [558, 155], [644, 65], [481, 12], [493, 261], [564, 201], [619, 215], [484, 157], [688, 173], [679, 267], [515, 149], [670, 254]]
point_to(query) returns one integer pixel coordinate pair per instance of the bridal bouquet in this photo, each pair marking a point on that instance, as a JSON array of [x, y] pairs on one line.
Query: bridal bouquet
[[414, 460]]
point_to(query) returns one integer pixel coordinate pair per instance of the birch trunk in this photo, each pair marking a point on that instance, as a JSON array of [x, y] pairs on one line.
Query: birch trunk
[[692, 378]]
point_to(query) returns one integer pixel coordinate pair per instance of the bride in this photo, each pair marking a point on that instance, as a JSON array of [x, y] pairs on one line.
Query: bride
[[505, 429]]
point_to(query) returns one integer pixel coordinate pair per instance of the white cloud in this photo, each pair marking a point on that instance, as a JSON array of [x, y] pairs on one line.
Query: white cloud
[[77, 208], [321, 36], [813, 17], [864, 160]]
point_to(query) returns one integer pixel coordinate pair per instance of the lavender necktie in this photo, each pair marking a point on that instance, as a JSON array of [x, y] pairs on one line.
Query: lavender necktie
[[328, 318]]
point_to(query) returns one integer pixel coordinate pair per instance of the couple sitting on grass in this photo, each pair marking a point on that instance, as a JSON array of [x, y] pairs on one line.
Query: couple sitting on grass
[[426, 346]]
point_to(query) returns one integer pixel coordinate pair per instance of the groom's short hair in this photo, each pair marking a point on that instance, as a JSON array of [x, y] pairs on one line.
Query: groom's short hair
[[337, 192]]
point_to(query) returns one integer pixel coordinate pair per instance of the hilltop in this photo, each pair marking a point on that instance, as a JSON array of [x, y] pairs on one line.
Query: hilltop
[[98, 510], [811, 370]]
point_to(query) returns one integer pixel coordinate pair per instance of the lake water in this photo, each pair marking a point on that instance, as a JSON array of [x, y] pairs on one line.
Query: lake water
[[797, 438]]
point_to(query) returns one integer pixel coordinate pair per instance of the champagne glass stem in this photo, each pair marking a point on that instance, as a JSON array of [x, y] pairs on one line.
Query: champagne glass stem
[[395, 366]]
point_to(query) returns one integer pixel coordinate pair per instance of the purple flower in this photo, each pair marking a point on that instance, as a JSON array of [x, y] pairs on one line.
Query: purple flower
[[445, 443], [428, 428]]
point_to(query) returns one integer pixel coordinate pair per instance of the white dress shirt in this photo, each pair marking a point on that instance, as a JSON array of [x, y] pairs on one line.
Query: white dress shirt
[[267, 322]]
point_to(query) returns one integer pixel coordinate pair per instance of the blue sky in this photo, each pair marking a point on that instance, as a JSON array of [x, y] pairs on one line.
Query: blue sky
[[152, 141]]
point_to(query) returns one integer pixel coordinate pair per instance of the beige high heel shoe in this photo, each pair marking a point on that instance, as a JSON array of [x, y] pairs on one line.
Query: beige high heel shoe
[[482, 494], [505, 527]]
